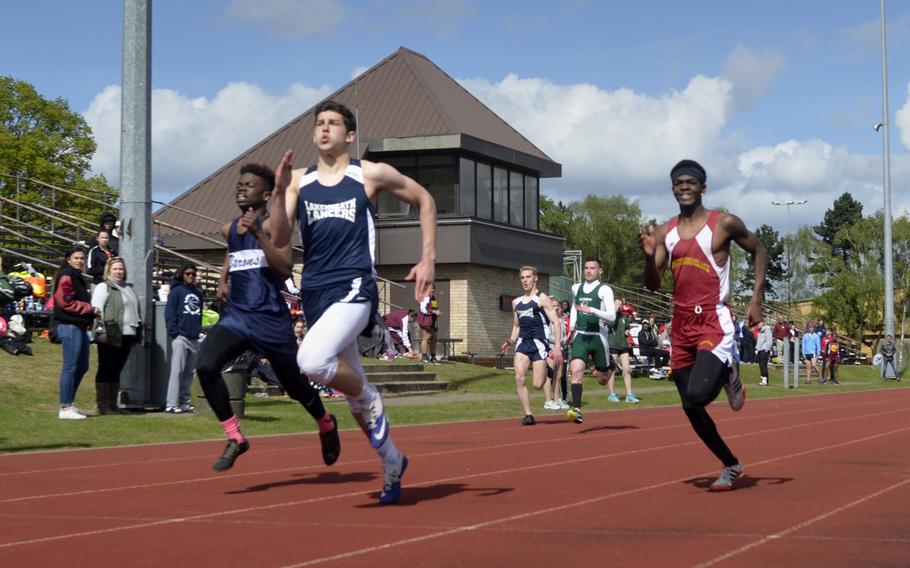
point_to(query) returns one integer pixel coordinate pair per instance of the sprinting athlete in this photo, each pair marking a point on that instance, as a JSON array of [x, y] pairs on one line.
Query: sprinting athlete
[[256, 317], [592, 307], [696, 246], [331, 203], [533, 314]]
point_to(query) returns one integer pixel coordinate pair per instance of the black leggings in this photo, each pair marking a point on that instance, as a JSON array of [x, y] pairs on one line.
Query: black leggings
[[763, 363], [112, 359], [698, 386], [222, 346]]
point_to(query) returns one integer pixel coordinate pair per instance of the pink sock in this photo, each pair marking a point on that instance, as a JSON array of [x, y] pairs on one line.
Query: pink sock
[[325, 423], [231, 427]]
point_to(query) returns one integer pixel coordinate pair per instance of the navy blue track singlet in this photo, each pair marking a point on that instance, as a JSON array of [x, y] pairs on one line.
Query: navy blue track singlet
[[336, 229], [256, 309], [532, 319]]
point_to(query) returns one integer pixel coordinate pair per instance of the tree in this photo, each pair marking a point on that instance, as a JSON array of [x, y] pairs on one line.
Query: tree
[[845, 212], [44, 140], [776, 276]]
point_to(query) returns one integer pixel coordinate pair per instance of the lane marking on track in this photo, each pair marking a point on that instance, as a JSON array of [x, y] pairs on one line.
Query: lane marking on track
[[573, 437], [450, 452], [651, 412], [780, 534], [476, 526], [585, 502]]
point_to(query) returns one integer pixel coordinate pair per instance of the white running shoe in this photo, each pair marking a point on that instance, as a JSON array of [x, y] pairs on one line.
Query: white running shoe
[[728, 475], [70, 413], [550, 405], [563, 405]]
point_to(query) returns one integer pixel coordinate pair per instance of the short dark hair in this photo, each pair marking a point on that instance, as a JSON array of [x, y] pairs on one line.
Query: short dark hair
[[76, 247], [261, 171], [350, 123], [593, 259]]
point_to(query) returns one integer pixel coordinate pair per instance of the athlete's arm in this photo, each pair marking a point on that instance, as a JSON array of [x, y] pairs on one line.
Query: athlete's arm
[[383, 177], [573, 313], [652, 246], [283, 207], [607, 312], [514, 335], [279, 258], [746, 239], [222, 290], [405, 336], [556, 322]]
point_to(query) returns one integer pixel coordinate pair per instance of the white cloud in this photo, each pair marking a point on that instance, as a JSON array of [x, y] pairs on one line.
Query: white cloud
[[623, 142], [358, 71], [295, 19], [751, 71], [902, 121], [604, 136], [191, 138]]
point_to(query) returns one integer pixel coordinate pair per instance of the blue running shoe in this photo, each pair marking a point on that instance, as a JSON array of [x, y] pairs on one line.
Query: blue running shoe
[[376, 422], [391, 490], [632, 399], [613, 397]]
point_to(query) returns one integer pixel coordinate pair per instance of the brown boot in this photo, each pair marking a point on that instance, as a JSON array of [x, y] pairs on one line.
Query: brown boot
[[102, 398]]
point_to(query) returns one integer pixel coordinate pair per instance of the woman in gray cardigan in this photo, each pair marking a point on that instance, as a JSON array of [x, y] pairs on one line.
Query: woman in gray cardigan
[[117, 332]]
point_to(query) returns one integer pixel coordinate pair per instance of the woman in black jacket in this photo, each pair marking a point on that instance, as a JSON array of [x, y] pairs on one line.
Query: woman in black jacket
[[73, 313]]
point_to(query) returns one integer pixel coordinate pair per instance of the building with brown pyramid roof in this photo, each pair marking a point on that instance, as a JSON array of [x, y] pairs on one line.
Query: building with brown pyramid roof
[[483, 174]]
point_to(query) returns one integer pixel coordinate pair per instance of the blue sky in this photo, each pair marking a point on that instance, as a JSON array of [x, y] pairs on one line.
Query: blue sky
[[775, 98]]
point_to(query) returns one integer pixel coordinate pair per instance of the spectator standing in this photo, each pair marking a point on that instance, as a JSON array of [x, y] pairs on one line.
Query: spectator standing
[[811, 345], [748, 344], [183, 317], [427, 320], [108, 223], [780, 334], [121, 322], [887, 349], [73, 314], [833, 361], [825, 343], [763, 346], [620, 352], [97, 258]]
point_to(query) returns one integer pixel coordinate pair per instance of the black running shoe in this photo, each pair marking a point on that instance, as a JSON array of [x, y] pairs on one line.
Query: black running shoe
[[331, 445], [232, 451], [528, 420]]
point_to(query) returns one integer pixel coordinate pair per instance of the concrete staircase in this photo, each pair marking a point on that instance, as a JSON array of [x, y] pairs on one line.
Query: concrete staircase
[[406, 378]]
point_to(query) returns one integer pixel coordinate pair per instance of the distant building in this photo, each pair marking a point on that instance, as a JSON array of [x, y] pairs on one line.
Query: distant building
[[483, 174]]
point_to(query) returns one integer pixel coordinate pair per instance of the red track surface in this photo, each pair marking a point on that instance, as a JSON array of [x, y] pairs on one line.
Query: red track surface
[[827, 483]]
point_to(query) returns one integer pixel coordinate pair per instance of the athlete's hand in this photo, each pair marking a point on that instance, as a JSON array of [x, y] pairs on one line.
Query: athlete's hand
[[222, 292], [505, 346], [648, 241], [423, 273], [556, 356], [283, 173], [583, 308], [753, 314], [250, 222]]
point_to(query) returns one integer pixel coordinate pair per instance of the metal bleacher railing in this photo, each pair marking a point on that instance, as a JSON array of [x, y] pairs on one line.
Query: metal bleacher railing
[[40, 230]]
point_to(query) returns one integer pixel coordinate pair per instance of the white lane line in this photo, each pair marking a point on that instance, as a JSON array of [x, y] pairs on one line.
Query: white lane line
[[476, 526], [585, 502], [804, 524], [438, 454], [651, 412]]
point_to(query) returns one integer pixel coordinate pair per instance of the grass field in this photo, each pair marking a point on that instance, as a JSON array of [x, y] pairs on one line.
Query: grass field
[[29, 394]]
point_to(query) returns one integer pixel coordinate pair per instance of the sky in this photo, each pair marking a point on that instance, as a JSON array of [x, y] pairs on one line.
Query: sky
[[776, 99]]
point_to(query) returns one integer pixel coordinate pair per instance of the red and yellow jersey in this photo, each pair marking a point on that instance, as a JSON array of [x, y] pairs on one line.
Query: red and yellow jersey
[[699, 280]]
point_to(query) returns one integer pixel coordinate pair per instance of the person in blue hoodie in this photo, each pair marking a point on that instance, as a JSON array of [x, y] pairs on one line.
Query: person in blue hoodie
[[183, 317], [812, 348]]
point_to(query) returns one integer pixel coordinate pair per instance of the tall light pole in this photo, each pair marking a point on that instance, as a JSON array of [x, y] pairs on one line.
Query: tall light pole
[[789, 203], [886, 175]]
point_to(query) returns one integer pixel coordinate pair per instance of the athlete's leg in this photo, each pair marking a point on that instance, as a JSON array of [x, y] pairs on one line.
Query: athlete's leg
[[626, 371], [610, 376], [521, 362], [221, 345], [433, 336], [690, 388], [577, 371]]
